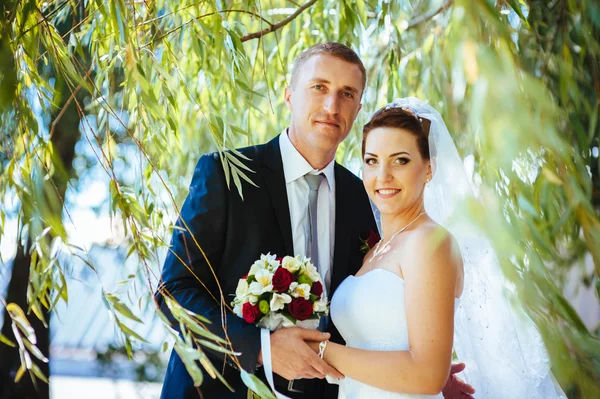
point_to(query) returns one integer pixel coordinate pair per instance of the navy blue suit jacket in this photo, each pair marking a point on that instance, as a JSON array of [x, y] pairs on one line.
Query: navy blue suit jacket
[[233, 233]]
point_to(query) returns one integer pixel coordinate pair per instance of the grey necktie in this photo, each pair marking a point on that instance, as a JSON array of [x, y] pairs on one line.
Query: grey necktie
[[312, 247], [314, 181]]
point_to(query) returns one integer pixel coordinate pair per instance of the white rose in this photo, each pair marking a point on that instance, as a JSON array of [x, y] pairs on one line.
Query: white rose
[[320, 306], [242, 289], [311, 271], [279, 300], [237, 309], [256, 267], [291, 264], [270, 262], [300, 290], [274, 264], [263, 282]]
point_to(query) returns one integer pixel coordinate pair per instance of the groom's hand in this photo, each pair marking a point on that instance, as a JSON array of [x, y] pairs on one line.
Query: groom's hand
[[455, 387], [292, 358]]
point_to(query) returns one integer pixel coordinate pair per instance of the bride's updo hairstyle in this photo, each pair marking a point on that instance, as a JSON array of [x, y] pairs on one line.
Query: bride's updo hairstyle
[[401, 118]]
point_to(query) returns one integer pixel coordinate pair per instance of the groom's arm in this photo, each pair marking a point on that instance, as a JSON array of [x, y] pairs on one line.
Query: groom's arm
[[186, 275]]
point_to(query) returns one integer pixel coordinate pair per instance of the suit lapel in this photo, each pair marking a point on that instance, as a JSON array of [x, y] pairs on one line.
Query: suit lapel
[[343, 230], [275, 184]]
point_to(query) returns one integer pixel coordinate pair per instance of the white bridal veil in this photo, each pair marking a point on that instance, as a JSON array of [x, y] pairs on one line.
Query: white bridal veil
[[502, 348]]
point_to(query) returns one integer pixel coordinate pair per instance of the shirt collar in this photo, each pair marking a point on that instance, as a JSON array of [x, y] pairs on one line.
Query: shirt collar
[[294, 164]]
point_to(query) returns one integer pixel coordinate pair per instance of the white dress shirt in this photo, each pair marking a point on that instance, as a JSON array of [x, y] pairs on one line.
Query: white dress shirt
[[294, 169]]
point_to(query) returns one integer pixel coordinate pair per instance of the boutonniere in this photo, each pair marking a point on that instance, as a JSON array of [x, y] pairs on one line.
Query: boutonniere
[[372, 239]]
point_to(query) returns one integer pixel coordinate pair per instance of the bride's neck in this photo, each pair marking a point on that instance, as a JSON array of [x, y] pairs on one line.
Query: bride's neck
[[392, 223]]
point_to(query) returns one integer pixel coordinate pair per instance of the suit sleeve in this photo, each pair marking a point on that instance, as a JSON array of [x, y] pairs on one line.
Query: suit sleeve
[[186, 275]]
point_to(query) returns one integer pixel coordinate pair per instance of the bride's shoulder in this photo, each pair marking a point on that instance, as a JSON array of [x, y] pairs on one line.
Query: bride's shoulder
[[431, 234], [434, 244]]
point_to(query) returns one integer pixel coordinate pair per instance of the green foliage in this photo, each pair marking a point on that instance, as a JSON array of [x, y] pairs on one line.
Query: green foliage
[[517, 82], [147, 364], [26, 341]]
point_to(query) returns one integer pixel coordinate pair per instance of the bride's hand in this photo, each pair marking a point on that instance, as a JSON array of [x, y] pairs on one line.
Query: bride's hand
[[314, 345]]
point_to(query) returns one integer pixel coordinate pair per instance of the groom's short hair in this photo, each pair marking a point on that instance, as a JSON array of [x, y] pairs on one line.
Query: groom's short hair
[[333, 49]]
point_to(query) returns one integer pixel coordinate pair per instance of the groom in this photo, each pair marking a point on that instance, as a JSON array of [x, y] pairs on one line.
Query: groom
[[324, 99]]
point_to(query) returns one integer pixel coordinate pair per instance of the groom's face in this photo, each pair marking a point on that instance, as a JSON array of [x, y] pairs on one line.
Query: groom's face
[[324, 100]]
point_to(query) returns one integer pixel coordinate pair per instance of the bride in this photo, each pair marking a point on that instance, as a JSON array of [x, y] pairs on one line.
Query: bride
[[431, 285]]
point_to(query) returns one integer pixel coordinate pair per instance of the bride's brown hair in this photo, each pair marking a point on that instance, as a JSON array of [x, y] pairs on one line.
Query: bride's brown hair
[[400, 118]]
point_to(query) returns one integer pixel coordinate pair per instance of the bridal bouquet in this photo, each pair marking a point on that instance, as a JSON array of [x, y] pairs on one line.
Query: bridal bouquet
[[279, 293]]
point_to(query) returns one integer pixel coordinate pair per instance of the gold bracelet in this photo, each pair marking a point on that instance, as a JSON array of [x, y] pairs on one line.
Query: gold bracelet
[[322, 346]]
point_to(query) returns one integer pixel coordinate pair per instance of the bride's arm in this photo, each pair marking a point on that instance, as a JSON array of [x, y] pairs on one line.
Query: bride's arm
[[431, 275]]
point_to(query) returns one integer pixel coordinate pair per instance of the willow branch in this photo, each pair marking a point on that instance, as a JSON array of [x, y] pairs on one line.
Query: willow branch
[[43, 18], [200, 17], [426, 17], [280, 24]]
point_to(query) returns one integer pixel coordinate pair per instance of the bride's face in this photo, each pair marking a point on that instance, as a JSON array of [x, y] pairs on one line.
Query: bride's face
[[394, 172]]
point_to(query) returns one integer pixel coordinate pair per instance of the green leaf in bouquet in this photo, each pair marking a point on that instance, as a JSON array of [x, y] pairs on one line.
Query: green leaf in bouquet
[[256, 385], [267, 296], [305, 279], [289, 317], [264, 307]]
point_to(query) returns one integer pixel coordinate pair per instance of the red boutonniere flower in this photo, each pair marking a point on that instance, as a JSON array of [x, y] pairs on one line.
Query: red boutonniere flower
[[372, 239]]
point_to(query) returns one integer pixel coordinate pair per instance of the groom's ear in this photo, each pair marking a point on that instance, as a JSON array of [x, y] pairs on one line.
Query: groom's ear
[[287, 94], [357, 112]]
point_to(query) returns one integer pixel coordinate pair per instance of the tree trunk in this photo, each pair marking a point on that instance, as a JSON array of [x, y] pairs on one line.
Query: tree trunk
[[64, 138]]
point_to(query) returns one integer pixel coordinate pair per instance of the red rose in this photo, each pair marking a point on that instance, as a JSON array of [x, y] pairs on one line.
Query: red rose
[[251, 312], [317, 288], [282, 279], [373, 239], [300, 308]]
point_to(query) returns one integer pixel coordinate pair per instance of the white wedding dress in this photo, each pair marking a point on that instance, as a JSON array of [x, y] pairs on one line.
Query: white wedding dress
[[502, 348], [369, 313]]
